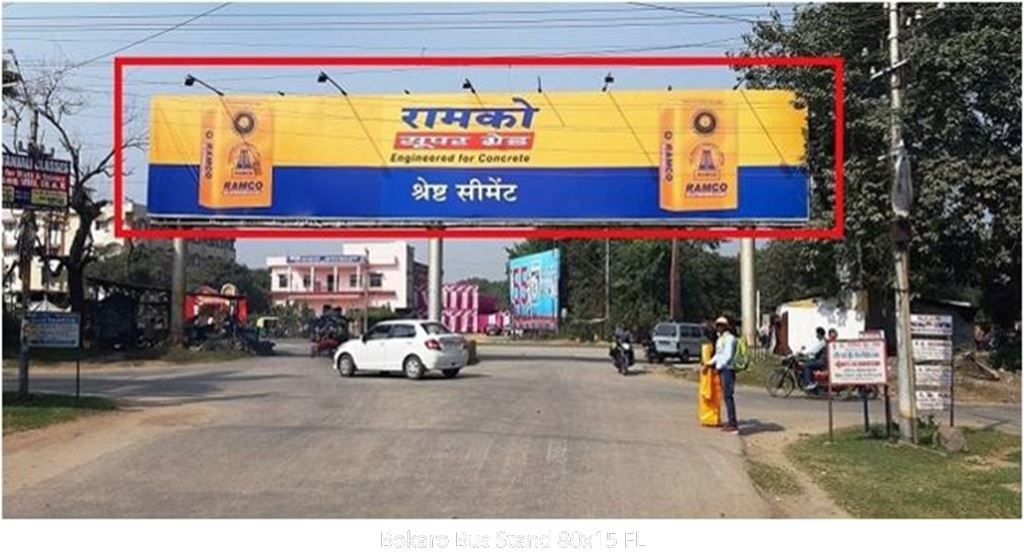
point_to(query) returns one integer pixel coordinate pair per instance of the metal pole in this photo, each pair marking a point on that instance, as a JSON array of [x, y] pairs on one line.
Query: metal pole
[[888, 413], [904, 357], [747, 288], [952, 382], [178, 292], [864, 400], [435, 249], [829, 388], [673, 282]]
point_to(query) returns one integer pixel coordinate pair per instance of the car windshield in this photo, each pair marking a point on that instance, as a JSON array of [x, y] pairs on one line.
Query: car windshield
[[665, 329], [435, 328]]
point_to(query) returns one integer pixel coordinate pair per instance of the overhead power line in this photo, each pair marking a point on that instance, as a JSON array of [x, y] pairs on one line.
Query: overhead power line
[[147, 38], [347, 15]]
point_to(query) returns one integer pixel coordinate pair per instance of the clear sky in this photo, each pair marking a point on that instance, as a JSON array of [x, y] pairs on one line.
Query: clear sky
[[50, 36]]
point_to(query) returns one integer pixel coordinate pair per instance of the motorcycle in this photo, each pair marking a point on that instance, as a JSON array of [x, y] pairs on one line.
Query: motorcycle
[[622, 355], [785, 379]]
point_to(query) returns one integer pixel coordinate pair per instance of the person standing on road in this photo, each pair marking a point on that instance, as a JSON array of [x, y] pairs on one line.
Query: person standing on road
[[725, 350], [710, 400]]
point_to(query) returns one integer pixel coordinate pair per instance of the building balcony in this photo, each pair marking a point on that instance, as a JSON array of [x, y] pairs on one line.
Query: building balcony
[[355, 291]]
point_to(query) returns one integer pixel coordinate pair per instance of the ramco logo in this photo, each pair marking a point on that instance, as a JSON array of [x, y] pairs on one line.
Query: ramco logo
[[243, 187], [707, 189]]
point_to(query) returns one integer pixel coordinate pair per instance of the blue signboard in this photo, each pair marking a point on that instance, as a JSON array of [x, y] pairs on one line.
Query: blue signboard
[[52, 329], [533, 290]]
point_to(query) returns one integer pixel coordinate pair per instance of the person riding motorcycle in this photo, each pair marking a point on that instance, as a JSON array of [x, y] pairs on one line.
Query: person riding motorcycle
[[622, 335], [622, 342], [815, 358]]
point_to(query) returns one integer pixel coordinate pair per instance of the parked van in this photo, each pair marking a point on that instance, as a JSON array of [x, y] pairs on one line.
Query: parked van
[[677, 340]]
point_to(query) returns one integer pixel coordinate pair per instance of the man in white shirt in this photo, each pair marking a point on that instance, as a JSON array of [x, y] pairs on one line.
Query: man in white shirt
[[725, 350], [815, 358]]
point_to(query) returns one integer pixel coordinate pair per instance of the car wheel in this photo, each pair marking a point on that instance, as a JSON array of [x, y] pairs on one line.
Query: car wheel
[[346, 366], [451, 372], [413, 367]]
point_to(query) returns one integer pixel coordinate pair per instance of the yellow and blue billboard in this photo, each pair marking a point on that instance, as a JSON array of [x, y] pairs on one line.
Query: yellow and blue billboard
[[519, 158]]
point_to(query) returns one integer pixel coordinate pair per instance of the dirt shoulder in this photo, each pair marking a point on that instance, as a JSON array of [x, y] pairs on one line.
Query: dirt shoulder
[[33, 456], [788, 491]]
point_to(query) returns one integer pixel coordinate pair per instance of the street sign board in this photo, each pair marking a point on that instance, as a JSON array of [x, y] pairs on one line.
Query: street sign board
[[928, 400], [699, 157], [939, 374], [52, 329], [940, 325], [932, 349], [857, 362], [35, 183]]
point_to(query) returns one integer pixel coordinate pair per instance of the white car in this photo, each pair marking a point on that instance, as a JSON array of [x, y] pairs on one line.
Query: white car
[[409, 346]]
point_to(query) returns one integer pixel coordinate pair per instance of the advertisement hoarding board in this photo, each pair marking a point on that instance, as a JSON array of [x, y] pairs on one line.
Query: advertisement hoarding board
[[681, 157], [52, 329], [533, 290], [857, 362], [35, 183]]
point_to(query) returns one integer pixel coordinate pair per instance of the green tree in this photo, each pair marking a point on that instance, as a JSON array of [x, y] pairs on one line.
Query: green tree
[[150, 265], [961, 122]]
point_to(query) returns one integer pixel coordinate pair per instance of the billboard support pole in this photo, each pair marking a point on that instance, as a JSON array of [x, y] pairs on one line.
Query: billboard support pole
[[747, 288], [435, 249], [178, 292]]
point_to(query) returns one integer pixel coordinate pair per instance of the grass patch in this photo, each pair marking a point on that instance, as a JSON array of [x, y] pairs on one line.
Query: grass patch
[[44, 409], [870, 477], [757, 373], [772, 479], [178, 355]]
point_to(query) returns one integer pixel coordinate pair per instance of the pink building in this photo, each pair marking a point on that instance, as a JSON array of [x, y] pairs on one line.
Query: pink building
[[364, 275], [464, 309]]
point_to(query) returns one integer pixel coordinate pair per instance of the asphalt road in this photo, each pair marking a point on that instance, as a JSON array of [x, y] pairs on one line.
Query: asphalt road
[[529, 432]]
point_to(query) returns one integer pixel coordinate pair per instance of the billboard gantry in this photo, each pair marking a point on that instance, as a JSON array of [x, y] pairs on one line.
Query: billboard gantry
[[511, 159]]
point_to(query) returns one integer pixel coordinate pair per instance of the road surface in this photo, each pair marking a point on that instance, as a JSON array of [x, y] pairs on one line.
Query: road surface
[[529, 432]]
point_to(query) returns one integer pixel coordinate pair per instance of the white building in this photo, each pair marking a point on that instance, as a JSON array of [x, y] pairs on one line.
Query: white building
[[363, 275], [798, 319], [62, 232]]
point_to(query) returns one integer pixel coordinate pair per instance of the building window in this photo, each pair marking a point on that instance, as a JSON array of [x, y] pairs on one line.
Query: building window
[[330, 283], [376, 279], [353, 280], [306, 281], [282, 281]]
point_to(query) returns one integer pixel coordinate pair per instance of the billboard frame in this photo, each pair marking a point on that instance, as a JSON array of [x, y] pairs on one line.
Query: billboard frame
[[835, 232]]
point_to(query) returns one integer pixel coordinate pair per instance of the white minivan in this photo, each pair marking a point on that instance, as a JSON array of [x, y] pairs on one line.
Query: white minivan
[[677, 340], [409, 346]]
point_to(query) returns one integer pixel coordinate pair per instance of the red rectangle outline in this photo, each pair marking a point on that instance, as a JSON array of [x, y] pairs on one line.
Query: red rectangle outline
[[830, 62]]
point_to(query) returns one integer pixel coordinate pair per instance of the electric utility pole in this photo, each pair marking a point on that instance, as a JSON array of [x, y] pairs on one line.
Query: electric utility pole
[[901, 238], [673, 282], [26, 253], [607, 285]]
